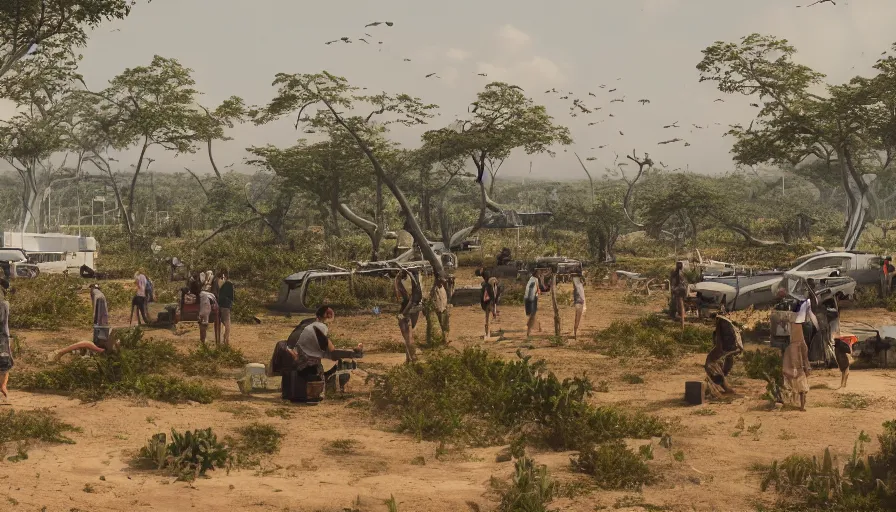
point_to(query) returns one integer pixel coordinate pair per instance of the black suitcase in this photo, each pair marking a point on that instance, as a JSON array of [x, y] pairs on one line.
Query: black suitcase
[[296, 388]]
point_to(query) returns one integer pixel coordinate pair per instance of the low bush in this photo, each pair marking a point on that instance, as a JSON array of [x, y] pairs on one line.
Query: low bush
[[188, 455], [477, 398], [49, 301], [34, 425], [341, 447], [652, 336], [613, 466], [765, 364], [139, 368], [208, 361], [361, 292], [531, 489], [866, 482], [258, 439]]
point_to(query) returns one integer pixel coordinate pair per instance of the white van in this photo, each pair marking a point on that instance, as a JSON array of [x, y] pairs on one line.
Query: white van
[[54, 252]]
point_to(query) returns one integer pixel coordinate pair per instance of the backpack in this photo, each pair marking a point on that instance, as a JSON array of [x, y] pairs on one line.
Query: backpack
[[150, 295]]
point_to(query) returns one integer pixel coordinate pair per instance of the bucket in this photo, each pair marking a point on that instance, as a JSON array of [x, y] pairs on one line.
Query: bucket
[[256, 375]]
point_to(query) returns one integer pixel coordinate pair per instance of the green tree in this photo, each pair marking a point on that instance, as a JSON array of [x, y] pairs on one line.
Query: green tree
[[153, 105], [853, 122], [503, 119], [298, 92], [26, 25], [35, 140]]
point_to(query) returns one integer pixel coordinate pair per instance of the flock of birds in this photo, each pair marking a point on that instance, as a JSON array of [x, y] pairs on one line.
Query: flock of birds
[[577, 106]]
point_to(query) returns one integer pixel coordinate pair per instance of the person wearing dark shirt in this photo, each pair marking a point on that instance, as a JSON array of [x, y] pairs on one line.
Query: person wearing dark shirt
[[225, 304]]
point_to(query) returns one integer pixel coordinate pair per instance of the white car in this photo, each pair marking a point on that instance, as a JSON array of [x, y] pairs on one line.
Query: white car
[[741, 292]]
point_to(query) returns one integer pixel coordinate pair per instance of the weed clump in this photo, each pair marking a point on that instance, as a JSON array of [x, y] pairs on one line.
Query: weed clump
[[188, 455], [865, 483], [614, 466], [258, 438], [652, 336], [531, 489], [35, 425], [207, 362], [139, 368], [477, 398], [341, 447]]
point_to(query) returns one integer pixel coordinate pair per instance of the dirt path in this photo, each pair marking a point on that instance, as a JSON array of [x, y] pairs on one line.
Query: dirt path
[[715, 474]]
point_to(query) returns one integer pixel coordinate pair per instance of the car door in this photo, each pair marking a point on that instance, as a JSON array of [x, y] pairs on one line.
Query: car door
[[866, 270]]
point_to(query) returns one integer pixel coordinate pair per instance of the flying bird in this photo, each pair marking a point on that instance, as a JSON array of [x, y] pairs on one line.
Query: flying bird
[[345, 39], [643, 102], [378, 23], [821, 2], [432, 74], [671, 141], [481, 74], [686, 144], [602, 86], [611, 115], [591, 158], [664, 165], [754, 105], [673, 125], [362, 39], [407, 60], [719, 100], [564, 97], [697, 127], [594, 123], [618, 100], [620, 133], [592, 94], [612, 90]]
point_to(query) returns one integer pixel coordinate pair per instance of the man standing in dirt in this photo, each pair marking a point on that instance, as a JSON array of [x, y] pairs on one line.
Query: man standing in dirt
[[795, 364], [439, 297], [409, 310], [534, 287], [578, 299], [208, 306], [6, 361], [678, 287], [886, 276], [139, 300], [225, 294]]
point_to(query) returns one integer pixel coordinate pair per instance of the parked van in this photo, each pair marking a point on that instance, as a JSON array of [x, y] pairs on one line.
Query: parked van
[[53, 252]]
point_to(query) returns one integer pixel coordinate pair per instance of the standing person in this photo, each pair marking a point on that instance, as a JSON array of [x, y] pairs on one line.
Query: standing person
[[796, 364], [207, 306], [886, 276], [488, 297], [578, 299], [678, 287], [139, 300], [6, 360], [534, 288], [439, 297], [225, 304], [409, 310], [727, 344]]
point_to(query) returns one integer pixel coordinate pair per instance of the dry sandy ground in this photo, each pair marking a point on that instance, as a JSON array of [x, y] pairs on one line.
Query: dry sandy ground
[[715, 475]]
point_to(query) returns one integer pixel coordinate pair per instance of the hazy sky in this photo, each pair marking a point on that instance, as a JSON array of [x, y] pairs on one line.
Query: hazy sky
[[236, 47]]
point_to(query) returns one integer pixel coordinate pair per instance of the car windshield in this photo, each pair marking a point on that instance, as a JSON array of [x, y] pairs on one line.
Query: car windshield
[[11, 255]]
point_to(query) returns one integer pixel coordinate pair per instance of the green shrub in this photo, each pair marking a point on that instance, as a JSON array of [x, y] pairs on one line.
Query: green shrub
[[475, 397], [613, 466], [139, 368], [341, 447], [531, 489], [652, 336], [865, 483], [208, 361], [258, 438], [37, 425], [50, 301], [118, 296], [765, 364], [189, 455]]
